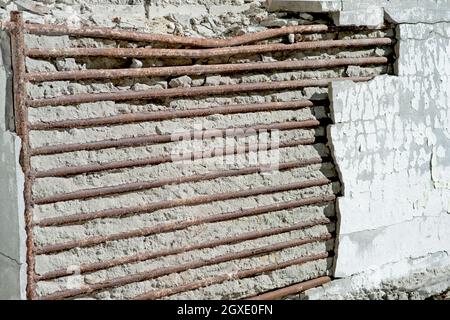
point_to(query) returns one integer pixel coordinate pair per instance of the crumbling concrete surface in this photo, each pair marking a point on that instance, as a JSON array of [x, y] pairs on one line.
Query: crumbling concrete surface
[[426, 277], [390, 142]]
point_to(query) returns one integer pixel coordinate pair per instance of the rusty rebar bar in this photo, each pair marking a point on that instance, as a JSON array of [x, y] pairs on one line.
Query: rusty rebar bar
[[147, 208], [21, 121], [91, 168], [165, 138], [146, 185], [117, 34], [186, 92], [164, 228], [290, 290], [118, 73], [160, 272], [171, 114], [179, 225], [98, 74], [203, 53], [227, 277]]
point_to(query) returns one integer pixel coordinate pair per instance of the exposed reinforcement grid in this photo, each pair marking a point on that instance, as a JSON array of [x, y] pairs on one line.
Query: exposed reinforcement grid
[[111, 214]]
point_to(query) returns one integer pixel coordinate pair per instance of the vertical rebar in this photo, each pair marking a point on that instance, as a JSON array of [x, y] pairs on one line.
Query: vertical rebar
[[21, 122]]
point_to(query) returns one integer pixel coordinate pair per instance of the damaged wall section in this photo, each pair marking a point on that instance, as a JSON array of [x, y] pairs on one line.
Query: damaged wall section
[[53, 263], [391, 143], [384, 200]]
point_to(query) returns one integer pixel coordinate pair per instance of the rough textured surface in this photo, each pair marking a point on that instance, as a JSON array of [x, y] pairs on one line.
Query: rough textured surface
[[393, 165], [390, 140], [222, 19], [424, 277], [204, 233]]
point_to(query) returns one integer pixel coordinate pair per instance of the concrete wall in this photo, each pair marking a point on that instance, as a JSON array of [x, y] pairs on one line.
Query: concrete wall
[[369, 12], [390, 139], [391, 143], [12, 238], [200, 19], [44, 187]]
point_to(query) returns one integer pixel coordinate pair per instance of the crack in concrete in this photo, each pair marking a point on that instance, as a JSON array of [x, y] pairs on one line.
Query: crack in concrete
[[147, 3], [10, 258], [427, 23]]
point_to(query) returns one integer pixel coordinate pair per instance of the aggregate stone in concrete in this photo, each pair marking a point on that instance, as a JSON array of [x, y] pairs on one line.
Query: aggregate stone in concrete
[[179, 169], [112, 154], [170, 192], [169, 127], [121, 248], [196, 274]]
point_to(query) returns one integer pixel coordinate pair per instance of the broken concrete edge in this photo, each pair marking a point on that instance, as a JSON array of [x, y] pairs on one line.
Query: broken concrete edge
[[304, 6], [12, 229], [367, 13], [413, 16], [371, 17], [13, 236], [431, 272], [417, 278], [412, 277]]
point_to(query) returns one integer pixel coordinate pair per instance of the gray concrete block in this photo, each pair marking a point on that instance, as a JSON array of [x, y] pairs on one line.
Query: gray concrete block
[[225, 9], [189, 10], [399, 4], [417, 15], [304, 5], [12, 284], [12, 233], [372, 17]]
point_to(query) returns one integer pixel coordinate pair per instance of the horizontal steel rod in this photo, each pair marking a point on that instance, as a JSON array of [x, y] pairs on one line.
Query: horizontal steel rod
[[203, 53], [171, 114], [98, 74], [186, 92], [143, 232], [69, 171], [166, 227], [156, 273], [147, 208], [293, 289], [166, 138], [156, 294], [146, 185], [117, 34], [179, 225]]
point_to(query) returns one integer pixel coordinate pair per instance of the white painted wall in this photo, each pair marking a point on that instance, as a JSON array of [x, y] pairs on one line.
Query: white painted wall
[[391, 141]]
